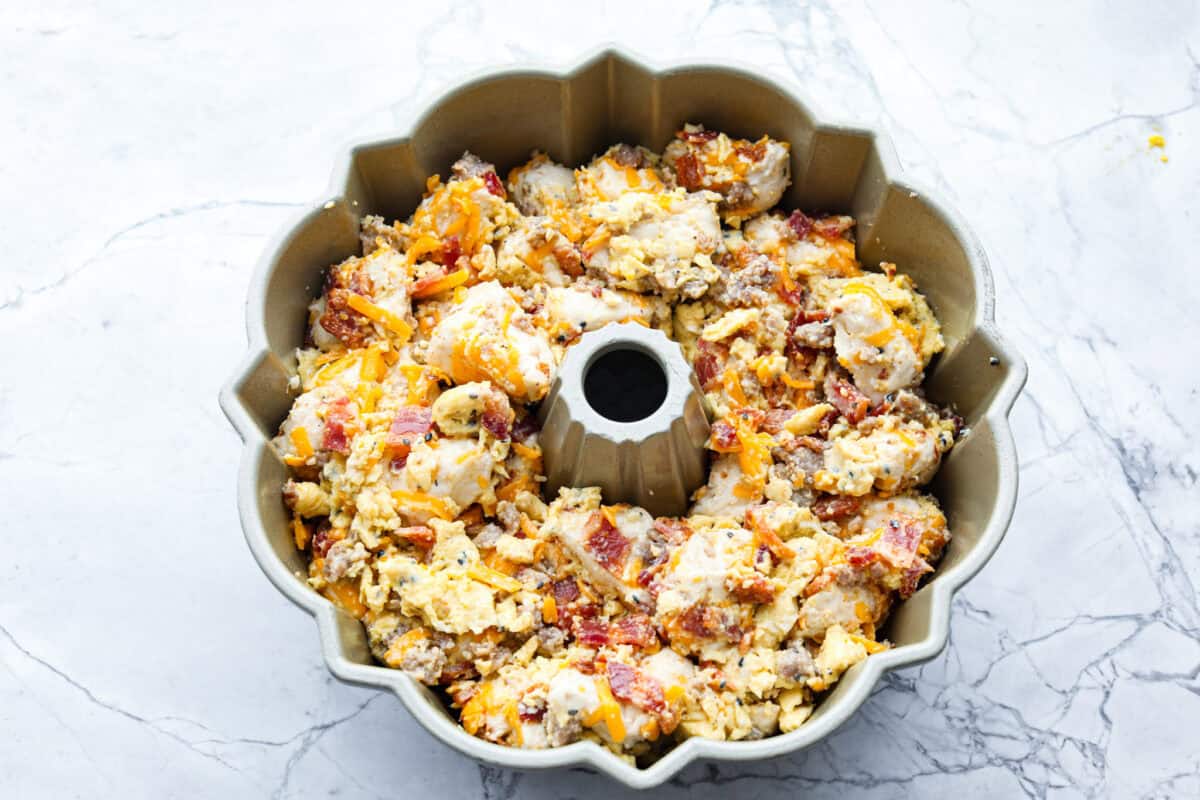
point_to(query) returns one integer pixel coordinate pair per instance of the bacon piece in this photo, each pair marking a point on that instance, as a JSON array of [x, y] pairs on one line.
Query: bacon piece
[[569, 259], [419, 535], [697, 137], [804, 316], [587, 667], [792, 348], [797, 321], [912, 577], [565, 591], [707, 368], [775, 418], [709, 362], [723, 438], [525, 427], [756, 520], [701, 621], [337, 418], [899, 543], [833, 227], [751, 418], [793, 296], [606, 544], [753, 152], [832, 506], [570, 615], [800, 223], [451, 250], [411, 425], [620, 680], [675, 531], [803, 357], [412, 420], [527, 714], [847, 399], [634, 629], [649, 573], [349, 326], [323, 539], [898, 546], [631, 685], [822, 581], [495, 422], [591, 632], [492, 181], [754, 589], [355, 279], [689, 172], [859, 557], [815, 315]]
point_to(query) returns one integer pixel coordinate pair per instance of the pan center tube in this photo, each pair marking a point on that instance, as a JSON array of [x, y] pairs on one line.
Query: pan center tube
[[626, 413], [625, 384]]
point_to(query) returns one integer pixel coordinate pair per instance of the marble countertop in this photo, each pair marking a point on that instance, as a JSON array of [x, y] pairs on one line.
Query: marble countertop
[[152, 148]]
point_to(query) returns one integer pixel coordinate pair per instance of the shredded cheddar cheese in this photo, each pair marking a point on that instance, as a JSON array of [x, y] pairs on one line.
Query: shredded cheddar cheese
[[733, 387], [445, 283], [299, 532], [300, 441], [510, 490], [402, 644], [609, 514], [384, 317], [344, 595], [870, 645], [607, 711], [475, 713], [418, 501], [526, 452], [493, 578], [796, 384]]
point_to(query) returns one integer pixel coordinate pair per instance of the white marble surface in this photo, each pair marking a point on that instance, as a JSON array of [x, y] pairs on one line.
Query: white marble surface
[[151, 148]]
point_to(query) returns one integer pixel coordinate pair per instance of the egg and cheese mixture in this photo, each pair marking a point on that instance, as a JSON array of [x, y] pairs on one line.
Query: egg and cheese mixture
[[416, 471]]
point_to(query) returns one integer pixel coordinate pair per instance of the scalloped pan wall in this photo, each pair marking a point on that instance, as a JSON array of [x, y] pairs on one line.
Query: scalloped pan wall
[[573, 114]]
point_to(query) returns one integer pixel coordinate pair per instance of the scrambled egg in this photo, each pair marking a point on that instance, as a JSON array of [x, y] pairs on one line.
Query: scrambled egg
[[655, 242], [416, 470], [886, 453]]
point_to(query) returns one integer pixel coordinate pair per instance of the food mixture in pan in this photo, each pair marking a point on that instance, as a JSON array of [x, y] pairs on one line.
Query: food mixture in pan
[[416, 471]]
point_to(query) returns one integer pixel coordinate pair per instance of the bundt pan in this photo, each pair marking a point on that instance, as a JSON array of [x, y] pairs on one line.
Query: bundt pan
[[572, 114]]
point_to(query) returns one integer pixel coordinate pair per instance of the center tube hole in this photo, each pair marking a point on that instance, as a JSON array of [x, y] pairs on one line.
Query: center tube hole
[[625, 385]]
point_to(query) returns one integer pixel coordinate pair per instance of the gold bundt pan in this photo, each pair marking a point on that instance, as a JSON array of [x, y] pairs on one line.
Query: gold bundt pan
[[572, 114]]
